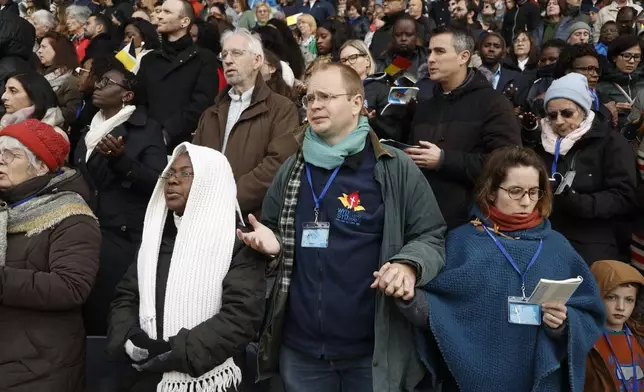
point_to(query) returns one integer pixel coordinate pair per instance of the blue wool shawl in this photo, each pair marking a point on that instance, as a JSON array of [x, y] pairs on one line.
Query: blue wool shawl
[[468, 314]]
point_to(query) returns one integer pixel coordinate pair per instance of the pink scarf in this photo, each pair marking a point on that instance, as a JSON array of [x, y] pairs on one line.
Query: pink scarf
[[549, 137]]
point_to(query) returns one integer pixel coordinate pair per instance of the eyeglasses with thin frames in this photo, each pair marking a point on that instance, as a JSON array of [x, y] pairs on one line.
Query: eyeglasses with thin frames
[[105, 81], [178, 175], [234, 53], [517, 193], [7, 156], [322, 98]]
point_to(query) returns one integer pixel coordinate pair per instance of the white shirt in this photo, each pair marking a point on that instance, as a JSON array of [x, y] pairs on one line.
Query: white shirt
[[237, 106], [523, 63]]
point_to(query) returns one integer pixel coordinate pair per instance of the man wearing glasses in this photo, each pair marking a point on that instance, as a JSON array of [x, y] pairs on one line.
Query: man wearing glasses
[[352, 226], [250, 124], [181, 79]]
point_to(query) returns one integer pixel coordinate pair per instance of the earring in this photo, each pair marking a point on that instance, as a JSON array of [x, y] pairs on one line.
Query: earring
[[122, 104]]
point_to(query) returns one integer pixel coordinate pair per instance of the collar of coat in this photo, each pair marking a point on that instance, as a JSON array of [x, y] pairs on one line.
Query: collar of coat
[[378, 148], [260, 93]]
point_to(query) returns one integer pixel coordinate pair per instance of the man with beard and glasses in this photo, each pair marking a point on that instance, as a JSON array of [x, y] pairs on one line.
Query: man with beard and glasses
[[403, 44], [493, 49], [181, 79], [249, 123]]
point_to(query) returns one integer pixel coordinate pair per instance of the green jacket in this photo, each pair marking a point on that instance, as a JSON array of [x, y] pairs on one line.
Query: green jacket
[[413, 233]]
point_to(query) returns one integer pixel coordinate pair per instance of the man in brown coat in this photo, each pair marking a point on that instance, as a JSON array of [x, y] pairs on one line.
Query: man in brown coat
[[250, 124]]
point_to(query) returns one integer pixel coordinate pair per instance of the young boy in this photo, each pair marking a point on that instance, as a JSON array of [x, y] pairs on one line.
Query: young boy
[[616, 362], [607, 34]]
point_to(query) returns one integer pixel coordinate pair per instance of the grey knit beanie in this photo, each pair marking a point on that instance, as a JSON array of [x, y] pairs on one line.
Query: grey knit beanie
[[574, 87], [578, 26]]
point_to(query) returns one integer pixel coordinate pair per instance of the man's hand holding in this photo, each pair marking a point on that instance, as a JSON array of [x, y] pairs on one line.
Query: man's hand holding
[[427, 157], [396, 280]]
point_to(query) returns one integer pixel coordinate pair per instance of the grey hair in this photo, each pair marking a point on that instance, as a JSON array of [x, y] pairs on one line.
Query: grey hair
[[44, 17], [461, 39], [254, 40], [11, 143], [78, 12], [361, 47]]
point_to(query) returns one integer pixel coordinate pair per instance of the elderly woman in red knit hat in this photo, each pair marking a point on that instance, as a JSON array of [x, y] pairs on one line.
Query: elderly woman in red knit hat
[[49, 244]]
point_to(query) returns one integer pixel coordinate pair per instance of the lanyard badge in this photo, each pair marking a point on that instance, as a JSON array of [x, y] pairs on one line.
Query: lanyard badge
[[618, 365], [520, 311], [316, 234]]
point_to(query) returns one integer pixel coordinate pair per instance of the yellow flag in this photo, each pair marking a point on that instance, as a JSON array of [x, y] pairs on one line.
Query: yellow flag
[[126, 58], [392, 70]]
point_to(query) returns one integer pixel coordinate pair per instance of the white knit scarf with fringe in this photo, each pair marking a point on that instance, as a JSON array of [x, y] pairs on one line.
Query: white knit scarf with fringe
[[200, 260]]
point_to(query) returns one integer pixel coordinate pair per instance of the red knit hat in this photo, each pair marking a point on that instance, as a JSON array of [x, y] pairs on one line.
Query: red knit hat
[[41, 139]]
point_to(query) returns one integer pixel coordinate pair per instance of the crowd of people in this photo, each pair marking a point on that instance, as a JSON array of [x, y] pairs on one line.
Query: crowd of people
[[321, 195]]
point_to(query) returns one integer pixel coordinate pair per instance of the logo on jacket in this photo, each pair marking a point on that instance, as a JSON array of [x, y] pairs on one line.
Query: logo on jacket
[[349, 212]]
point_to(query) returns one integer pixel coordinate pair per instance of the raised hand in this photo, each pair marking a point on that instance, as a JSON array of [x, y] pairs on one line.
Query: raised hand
[[262, 239]]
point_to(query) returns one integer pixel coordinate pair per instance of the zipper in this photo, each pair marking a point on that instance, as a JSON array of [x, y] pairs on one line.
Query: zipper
[[516, 15]]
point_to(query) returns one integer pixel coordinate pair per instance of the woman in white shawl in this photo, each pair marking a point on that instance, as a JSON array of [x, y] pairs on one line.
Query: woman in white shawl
[[195, 296]]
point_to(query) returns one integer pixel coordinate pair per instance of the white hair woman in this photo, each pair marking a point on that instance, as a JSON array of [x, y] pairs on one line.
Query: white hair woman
[[195, 296], [75, 18], [49, 244]]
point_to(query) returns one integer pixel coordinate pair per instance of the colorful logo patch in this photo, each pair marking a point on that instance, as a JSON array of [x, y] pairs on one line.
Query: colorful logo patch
[[349, 212], [351, 201]]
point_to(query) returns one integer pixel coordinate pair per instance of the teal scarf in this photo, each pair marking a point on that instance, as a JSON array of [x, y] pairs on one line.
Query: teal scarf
[[318, 153]]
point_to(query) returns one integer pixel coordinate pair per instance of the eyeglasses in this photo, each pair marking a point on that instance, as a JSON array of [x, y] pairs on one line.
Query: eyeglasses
[[105, 81], [630, 56], [352, 59], [517, 193], [566, 113], [589, 69], [178, 175], [322, 98], [79, 70], [235, 54], [7, 156]]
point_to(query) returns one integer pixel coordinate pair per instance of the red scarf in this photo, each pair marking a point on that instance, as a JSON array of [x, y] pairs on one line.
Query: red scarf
[[505, 222]]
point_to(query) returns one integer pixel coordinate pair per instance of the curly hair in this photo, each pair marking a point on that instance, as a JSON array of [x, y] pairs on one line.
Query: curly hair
[[571, 53]]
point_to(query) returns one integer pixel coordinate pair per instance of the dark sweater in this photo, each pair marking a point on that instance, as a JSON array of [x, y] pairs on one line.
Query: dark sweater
[[331, 308]]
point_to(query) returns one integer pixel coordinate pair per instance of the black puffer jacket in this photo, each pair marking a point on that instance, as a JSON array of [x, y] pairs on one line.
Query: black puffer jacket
[[17, 38], [467, 124], [592, 215], [202, 348]]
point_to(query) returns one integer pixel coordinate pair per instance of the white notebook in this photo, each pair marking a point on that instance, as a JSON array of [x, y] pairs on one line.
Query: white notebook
[[554, 290]]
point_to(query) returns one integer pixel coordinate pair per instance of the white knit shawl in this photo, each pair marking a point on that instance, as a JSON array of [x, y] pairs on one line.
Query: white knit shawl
[[200, 260]]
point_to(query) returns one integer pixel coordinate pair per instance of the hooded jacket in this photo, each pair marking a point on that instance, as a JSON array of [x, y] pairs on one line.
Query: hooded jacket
[[467, 124], [17, 37], [609, 275]]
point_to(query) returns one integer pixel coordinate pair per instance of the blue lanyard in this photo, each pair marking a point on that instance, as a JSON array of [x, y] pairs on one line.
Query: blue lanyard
[[595, 99], [511, 260], [317, 199], [636, 383], [557, 150], [23, 201]]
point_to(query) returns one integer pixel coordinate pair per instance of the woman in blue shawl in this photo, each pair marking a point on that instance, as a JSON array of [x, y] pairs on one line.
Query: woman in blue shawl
[[482, 339]]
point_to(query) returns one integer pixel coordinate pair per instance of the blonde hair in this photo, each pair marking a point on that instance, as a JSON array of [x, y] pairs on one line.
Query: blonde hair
[[262, 4], [309, 20], [361, 47]]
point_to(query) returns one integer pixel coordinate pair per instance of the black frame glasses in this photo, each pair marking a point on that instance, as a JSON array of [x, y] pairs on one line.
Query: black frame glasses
[[517, 193], [352, 59], [631, 56], [588, 69]]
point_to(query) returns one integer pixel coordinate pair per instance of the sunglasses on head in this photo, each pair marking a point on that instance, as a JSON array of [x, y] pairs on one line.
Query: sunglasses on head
[[566, 113]]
